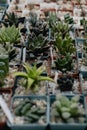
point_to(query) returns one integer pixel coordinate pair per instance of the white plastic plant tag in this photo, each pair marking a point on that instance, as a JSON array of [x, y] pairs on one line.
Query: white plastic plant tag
[[8, 2], [24, 54], [56, 77], [85, 104], [51, 53], [6, 109]]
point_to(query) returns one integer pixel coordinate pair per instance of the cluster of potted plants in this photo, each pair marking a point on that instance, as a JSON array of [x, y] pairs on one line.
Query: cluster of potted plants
[[38, 55]]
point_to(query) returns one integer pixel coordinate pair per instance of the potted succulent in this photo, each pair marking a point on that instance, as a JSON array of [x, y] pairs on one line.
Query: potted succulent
[[61, 27], [4, 68], [38, 45], [65, 50], [64, 44], [64, 63], [9, 34], [37, 26], [12, 19], [32, 77], [8, 37], [65, 82], [29, 112], [67, 112]]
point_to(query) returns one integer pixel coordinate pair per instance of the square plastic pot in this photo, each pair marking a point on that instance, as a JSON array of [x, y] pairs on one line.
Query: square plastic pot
[[66, 126], [30, 126]]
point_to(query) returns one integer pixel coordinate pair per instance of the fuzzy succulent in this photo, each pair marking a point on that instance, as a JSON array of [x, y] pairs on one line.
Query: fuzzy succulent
[[68, 109]]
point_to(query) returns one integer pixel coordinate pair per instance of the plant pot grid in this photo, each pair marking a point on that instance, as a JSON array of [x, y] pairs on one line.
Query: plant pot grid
[[50, 100], [49, 73]]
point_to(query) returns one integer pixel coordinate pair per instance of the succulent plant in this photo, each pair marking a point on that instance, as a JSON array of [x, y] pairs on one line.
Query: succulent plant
[[64, 45], [8, 38], [36, 44], [32, 110], [9, 34], [52, 19], [61, 27], [32, 19], [64, 63], [65, 83], [84, 53], [32, 76], [4, 68], [37, 26], [67, 109], [11, 19], [68, 19]]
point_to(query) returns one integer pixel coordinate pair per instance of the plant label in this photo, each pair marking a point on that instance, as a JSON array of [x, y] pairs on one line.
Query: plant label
[[6, 109]]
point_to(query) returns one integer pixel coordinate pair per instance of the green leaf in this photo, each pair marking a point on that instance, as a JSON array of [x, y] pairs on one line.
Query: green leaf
[[27, 67], [41, 69], [42, 78], [30, 82], [20, 74]]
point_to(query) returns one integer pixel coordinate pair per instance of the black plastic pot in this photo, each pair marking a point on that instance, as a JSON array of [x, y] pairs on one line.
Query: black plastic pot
[[21, 20], [65, 83], [23, 30]]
